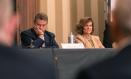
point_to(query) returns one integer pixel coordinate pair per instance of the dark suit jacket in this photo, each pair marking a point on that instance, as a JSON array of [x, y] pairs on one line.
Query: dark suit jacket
[[29, 39], [16, 65], [107, 36], [117, 67]]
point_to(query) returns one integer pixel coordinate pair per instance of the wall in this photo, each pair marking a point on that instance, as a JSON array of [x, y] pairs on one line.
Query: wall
[[26, 9], [65, 14]]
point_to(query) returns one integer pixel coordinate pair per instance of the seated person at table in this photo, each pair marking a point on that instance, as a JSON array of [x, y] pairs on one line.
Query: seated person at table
[[85, 29], [38, 36]]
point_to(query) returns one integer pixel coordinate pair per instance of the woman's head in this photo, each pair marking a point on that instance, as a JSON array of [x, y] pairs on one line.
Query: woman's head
[[85, 26]]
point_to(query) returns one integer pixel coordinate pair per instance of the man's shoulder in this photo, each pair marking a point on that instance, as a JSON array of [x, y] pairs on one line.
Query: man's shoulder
[[28, 31], [20, 64], [125, 52], [6, 49], [49, 33], [110, 67], [10, 53]]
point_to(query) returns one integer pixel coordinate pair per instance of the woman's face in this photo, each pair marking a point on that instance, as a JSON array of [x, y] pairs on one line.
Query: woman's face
[[87, 29]]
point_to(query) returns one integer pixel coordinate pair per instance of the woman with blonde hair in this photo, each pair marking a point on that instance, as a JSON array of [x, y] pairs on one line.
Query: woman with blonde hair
[[85, 30]]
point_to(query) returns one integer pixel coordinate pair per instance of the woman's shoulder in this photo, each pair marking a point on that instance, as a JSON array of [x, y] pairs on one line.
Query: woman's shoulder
[[95, 36], [78, 35]]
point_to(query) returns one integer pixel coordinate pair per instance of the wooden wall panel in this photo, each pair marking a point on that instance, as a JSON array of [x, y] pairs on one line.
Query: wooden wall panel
[[63, 15], [27, 9]]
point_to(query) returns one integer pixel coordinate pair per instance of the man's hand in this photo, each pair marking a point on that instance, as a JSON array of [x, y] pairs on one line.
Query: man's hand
[[38, 31]]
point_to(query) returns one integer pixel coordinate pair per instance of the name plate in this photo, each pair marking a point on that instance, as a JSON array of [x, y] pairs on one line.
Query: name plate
[[72, 45]]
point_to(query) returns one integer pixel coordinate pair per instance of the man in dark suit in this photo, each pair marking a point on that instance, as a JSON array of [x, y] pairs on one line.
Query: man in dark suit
[[119, 66], [13, 63], [38, 36], [107, 42]]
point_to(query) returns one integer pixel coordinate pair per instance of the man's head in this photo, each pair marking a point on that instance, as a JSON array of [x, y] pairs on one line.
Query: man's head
[[5, 12], [121, 19], [41, 21], [7, 22]]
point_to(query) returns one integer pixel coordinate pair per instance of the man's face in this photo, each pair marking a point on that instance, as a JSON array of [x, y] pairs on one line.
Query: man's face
[[41, 24]]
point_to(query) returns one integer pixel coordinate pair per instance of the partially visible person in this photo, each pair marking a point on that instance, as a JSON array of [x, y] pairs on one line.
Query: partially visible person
[[7, 24], [38, 36], [107, 36], [119, 66], [107, 42], [13, 63], [85, 35]]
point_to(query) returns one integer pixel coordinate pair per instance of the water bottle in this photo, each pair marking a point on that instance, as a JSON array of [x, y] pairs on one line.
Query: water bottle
[[71, 38]]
